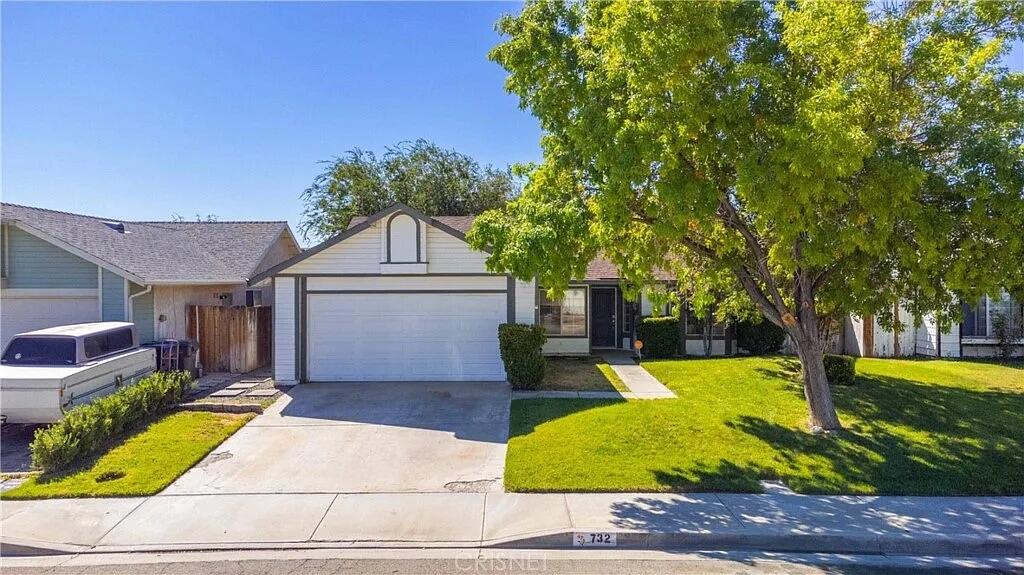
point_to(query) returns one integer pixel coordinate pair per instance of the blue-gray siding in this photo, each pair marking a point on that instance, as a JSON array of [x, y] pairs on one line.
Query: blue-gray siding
[[35, 263], [142, 313], [113, 297]]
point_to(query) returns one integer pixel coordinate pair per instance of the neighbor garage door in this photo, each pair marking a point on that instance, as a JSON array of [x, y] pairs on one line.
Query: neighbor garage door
[[405, 336], [22, 312]]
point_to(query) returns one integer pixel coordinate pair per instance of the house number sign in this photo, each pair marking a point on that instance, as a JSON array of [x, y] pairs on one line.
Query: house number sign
[[593, 540]]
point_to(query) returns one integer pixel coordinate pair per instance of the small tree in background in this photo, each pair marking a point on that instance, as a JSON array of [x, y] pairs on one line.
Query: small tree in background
[[809, 159], [420, 174]]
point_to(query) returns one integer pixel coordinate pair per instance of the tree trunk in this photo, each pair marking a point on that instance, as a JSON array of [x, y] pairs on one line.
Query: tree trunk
[[816, 388]]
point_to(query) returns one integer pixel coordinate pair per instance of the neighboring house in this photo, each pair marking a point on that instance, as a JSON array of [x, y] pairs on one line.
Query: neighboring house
[[61, 268], [401, 296], [975, 337]]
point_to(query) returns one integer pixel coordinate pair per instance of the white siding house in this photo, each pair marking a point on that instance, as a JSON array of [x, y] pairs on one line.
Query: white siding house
[[401, 296], [974, 337]]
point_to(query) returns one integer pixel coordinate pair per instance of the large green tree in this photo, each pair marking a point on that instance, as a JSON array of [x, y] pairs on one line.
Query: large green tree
[[811, 159], [420, 174]]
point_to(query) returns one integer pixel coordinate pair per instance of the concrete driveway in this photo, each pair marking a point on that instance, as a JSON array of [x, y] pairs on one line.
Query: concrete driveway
[[366, 437]]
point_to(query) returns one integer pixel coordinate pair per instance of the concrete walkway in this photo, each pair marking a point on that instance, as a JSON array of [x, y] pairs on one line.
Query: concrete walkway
[[641, 384], [991, 526]]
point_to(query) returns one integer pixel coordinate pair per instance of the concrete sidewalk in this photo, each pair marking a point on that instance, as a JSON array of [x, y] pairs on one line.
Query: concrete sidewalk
[[992, 526]]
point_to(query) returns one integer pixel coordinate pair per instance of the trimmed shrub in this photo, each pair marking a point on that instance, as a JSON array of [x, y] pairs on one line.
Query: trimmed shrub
[[760, 338], [520, 346], [86, 429], [840, 369], [660, 336]]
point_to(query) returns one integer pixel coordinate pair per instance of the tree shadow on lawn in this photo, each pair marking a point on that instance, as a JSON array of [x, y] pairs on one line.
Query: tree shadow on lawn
[[902, 437], [905, 437]]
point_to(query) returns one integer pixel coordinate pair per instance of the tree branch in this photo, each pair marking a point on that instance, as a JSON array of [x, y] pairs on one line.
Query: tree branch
[[731, 218]]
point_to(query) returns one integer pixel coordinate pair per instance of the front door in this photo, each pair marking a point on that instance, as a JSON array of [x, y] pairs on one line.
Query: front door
[[602, 316]]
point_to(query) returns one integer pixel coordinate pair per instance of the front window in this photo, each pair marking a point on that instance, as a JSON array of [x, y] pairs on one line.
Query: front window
[[40, 351], [565, 317], [981, 317], [695, 325]]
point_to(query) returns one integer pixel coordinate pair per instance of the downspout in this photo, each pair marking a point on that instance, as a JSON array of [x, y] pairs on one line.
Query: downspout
[[131, 301]]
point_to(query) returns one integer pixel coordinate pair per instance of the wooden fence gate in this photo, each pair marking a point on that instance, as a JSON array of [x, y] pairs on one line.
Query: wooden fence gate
[[235, 339]]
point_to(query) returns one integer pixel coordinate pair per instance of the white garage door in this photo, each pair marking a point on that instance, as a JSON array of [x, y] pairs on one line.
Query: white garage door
[[21, 314], [405, 337]]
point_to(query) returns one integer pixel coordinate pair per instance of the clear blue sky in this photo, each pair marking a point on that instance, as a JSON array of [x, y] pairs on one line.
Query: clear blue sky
[[140, 111]]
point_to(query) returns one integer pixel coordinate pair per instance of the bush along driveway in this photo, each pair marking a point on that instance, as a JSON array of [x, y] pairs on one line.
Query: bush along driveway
[[85, 454], [912, 427], [143, 464]]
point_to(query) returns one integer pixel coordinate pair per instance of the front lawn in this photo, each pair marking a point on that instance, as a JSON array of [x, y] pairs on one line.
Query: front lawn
[[912, 427], [144, 463], [580, 374]]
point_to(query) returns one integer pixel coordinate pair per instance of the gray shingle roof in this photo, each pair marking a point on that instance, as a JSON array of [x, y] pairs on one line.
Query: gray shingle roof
[[185, 252]]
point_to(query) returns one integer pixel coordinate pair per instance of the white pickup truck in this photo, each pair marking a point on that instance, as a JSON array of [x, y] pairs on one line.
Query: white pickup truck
[[44, 373]]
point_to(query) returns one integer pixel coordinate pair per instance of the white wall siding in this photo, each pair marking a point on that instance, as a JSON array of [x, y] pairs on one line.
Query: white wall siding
[[927, 339], [567, 346], [448, 254], [408, 283], [696, 347], [284, 330], [526, 302], [357, 254]]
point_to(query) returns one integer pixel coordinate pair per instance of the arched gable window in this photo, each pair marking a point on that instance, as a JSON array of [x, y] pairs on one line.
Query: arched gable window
[[403, 238]]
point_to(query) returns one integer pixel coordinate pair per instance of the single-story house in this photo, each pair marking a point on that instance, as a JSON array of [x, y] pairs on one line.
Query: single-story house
[[975, 337], [62, 268], [400, 295]]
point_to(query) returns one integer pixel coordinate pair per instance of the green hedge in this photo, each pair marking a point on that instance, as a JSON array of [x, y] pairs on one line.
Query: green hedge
[[520, 346], [87, 428], [840, 369], [760, 338], [660, 336]]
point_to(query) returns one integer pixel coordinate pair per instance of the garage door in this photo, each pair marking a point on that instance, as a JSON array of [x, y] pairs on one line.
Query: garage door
[[21, 314], [405, 337]]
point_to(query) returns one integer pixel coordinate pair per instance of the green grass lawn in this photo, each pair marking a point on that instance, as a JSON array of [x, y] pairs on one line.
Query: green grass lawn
[[912, 427], [144, 463], [580, 374]]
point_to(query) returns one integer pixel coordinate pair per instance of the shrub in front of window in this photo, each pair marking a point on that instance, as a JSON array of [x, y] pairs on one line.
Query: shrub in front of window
[[1006, 334], [760, 338], [86, 429], [520, 346], [840, 369], [660, 336]]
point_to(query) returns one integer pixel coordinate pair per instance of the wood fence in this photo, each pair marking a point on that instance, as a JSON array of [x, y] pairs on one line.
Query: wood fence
[[235, 339]]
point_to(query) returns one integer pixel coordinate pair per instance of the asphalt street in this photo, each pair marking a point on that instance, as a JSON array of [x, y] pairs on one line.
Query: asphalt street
[[446, 561]]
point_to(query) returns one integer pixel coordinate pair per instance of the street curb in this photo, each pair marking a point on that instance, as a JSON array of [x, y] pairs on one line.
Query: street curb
[[966, 545], [949, 546], [14, 547]]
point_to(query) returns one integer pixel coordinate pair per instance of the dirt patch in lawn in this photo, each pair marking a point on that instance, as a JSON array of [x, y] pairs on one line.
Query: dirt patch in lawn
[[580, 374]]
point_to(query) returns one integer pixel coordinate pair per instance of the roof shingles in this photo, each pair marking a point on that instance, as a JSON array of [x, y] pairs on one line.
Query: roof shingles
[[162, 252]]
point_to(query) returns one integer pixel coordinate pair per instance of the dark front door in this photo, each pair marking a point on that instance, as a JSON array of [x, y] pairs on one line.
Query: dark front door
[[602, 317]]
